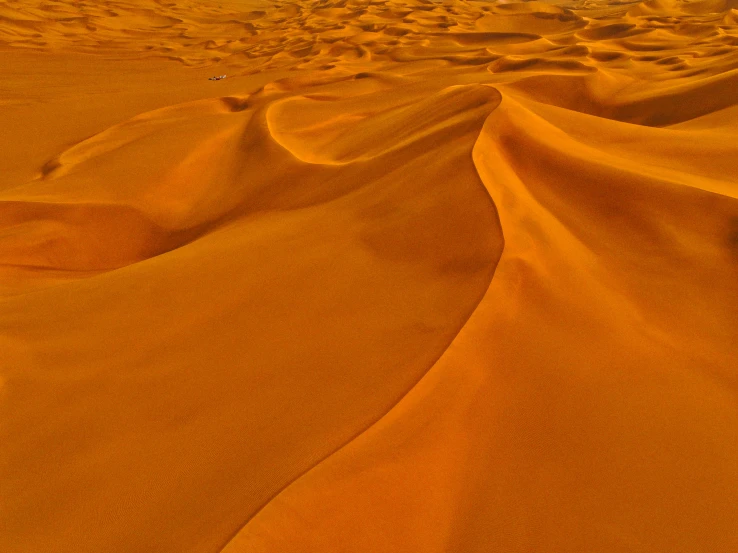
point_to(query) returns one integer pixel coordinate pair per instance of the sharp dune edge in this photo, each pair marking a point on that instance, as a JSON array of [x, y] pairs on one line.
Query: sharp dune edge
[[452, 276]]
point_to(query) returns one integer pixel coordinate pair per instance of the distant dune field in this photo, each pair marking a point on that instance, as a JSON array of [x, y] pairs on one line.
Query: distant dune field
[[451, 276]]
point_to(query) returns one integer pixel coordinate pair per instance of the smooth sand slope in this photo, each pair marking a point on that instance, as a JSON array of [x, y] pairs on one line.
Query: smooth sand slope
[[433, 277]]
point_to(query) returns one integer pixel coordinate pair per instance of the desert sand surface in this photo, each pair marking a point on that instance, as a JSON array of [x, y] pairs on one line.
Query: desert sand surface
[[420, 276]]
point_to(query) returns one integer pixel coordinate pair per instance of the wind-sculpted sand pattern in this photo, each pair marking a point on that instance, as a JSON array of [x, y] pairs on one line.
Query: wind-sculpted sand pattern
[[416, 276]]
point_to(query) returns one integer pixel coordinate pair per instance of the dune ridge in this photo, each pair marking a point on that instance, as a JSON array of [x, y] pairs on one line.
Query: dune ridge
[[424, 276]]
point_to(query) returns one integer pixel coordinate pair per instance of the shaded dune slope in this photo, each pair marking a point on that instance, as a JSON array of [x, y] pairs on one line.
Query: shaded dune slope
[[423, 276]]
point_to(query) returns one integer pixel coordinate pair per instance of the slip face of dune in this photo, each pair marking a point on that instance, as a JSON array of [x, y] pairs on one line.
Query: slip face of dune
[[415, 276]]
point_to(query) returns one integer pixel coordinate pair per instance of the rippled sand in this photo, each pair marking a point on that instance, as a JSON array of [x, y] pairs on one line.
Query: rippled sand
[[453, 276]]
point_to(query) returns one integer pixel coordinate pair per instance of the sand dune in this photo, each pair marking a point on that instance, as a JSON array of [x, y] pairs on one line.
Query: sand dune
[[424, 276]]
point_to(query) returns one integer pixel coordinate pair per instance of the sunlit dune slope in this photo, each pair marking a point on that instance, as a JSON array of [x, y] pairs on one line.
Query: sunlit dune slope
[[452, 276]]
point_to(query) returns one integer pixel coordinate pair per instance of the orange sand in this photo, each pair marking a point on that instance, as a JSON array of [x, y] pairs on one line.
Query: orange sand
[[423, 276]]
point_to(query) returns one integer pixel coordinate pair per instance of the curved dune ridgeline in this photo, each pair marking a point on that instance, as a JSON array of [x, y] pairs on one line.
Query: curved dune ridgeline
[[425, 276]]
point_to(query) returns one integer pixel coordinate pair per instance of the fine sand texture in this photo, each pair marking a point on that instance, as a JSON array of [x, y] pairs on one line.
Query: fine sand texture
[[451, 276]]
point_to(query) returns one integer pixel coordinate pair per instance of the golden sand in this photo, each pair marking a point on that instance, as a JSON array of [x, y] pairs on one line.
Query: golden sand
[[423, 276]]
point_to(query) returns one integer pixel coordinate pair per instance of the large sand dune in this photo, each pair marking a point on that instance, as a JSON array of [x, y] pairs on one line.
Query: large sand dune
[[453, 276]]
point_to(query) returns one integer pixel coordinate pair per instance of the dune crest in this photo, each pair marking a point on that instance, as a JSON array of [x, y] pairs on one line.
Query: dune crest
[[415, 276]]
